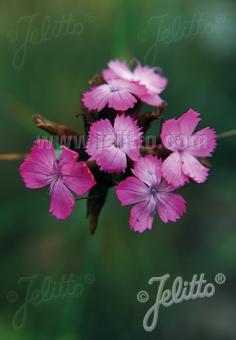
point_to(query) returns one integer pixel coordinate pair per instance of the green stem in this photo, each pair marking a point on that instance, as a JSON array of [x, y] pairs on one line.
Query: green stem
[[87, 197]]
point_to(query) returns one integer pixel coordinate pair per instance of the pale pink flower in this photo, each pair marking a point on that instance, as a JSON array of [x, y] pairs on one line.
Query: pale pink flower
[[154, 82], [109, 146], [178, 136], [62, 174], [118, 94], [151, 193]]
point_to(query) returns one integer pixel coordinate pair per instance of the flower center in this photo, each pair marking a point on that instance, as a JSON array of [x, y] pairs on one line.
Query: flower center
[[153, 191], [56, 172], [114, 88], [181, 142], [119, 140]]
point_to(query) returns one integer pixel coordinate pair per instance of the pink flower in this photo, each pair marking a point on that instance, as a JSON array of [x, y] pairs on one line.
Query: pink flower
[[63, 175], [177, 136], [145, 75], [118, 94], [152, 194], [109, 146]]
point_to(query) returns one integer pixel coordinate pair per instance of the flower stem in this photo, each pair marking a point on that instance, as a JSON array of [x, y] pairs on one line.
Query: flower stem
[[12, 156], [226, 134], [53, 128], [87, 197]]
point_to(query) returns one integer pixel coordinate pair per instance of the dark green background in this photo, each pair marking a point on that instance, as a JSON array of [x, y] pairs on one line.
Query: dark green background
[[200, 66]]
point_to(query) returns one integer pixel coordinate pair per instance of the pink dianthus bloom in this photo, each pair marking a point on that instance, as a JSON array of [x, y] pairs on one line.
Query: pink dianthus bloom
[[118, 94], [63, 175], [177, 135], [152, 193], [154, 82], [109, 146]]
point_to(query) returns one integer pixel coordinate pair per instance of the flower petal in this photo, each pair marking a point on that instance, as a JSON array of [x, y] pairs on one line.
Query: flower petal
[[171, 134], [188, 122], [148, 170], [38, 167], [154, 82], [66, 159], [128, 136], [62, 200], [203, 142], [152, 99], [108, 74], [131, 191], [79, 178], [97, 98], [193, 168], [164, 186], [101, 136], [141, 216], [121, 100], [121, 69], [111, 160], [132, 86], [170, 206], [172, 170]]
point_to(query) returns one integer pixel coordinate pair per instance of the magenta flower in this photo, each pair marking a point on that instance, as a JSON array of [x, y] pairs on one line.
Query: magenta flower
[[177, 136], [145, 75], [63, 175], [152, 194], [118, 94], [109, 146]]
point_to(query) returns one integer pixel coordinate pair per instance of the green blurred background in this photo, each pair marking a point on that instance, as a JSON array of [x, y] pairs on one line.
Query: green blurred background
[[194, 43]]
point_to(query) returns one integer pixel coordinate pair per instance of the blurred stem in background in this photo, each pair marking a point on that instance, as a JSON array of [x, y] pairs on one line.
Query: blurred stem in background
[[12, 156], [226, 134]]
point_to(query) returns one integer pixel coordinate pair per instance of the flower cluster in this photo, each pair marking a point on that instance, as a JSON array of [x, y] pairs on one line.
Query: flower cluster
[[124, 87], [115, 152]]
